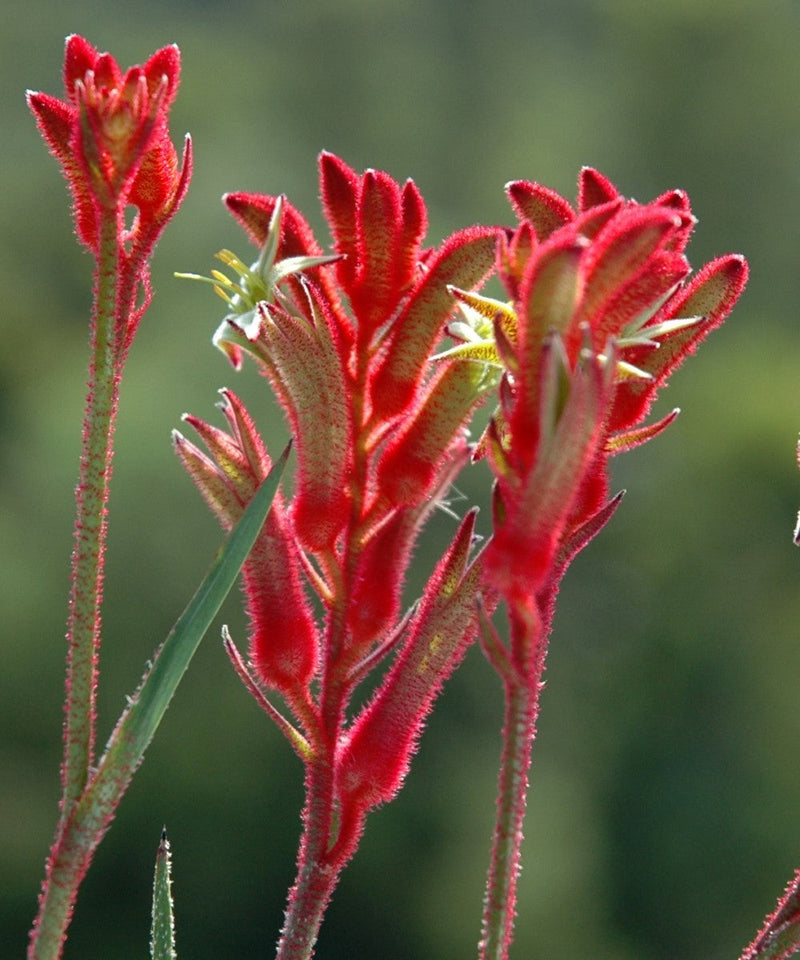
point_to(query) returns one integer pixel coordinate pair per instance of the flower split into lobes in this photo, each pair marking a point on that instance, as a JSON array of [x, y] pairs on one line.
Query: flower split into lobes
[[348, 342], [255, 212], [289, 325], [465, 259], [604, 310], [378, 226], [348, 350], [111, 136], [396, 292], [374, 755], [283, 640]]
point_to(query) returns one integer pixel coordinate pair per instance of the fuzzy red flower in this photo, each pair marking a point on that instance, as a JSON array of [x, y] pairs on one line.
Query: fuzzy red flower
[[355, 347], [283, 641], [111, 137], [347, 342], [602, 312]]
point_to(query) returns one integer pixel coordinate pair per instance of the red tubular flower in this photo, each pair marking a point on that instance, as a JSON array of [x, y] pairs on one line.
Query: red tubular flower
[[304, 365], [348, 343], [379, 227], [375, 754], [283, 640], [110, 134], [412, 459], [602, 312]]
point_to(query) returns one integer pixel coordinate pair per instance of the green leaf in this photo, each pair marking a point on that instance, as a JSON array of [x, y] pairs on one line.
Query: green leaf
[[162, 932], [92, 814], [139, 722]]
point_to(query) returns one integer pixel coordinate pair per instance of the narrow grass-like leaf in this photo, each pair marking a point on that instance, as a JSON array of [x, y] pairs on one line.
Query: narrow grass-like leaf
[[81, 833], [162, 932], [139, 722]]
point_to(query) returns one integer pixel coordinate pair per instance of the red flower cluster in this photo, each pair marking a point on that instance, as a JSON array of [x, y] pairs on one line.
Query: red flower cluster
[[379, 354], [600, 313], [111, 137], [380, 431]]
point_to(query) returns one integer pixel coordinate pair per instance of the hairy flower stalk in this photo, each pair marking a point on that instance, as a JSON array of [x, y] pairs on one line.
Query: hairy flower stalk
[[111, 137], [347, 342], [601, 312], [779, 938]]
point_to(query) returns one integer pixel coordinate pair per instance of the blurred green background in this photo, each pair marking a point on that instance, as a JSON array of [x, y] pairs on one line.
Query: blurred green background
[[663, 814]]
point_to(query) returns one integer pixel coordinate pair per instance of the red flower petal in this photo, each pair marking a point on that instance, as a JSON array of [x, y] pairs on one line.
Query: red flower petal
[[544, 208], [594, 189]]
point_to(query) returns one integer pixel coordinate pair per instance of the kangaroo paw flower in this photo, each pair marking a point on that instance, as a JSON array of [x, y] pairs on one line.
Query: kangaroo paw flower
[[110, 134]]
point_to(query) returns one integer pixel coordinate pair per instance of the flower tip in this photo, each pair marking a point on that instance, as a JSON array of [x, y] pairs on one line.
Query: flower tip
[[79, 57], [740, 261], [165, 64], [75, 43], [739, 272], [594, 189], [736, 267], [36, 101]]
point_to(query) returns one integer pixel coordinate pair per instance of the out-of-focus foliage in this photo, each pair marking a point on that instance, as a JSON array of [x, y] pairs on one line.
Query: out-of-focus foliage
[[667, 774]]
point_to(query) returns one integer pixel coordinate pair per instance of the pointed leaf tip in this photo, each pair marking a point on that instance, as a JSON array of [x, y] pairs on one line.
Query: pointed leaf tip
[[162, 932]]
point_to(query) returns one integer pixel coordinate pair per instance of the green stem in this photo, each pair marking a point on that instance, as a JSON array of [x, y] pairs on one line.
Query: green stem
[[521, 687], [88, 556], [80, 833]]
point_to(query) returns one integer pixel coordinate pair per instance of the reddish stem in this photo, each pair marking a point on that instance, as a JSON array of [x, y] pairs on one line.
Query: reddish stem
[[88, 557], [316, 876], [76, 839], [521, 686], [328, 844]]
